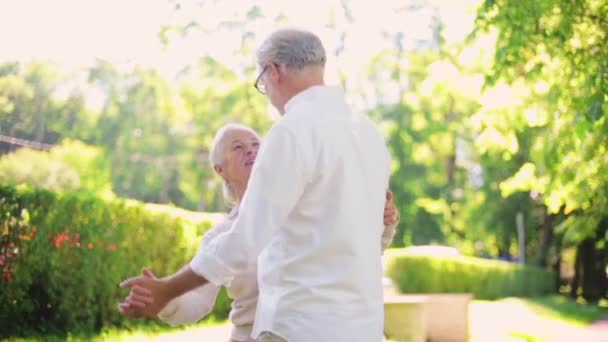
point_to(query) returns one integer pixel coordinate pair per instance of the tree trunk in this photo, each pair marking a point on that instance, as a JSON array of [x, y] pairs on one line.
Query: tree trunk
[[588, 277], [451, 168], [577, 274], [590, 270], [545, 239], [602, 259], [556, 263]]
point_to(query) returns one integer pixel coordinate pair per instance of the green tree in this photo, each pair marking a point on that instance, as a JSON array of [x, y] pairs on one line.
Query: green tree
[[556, 50], [30, 109], [69, 166], [213, 104], [139, 127]]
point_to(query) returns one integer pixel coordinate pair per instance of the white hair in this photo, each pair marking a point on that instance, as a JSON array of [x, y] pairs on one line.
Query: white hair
[[293, 48], [217, 154]]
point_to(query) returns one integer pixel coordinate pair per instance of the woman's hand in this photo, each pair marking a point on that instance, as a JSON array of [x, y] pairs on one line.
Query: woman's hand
[[147, 297], [391, 214]]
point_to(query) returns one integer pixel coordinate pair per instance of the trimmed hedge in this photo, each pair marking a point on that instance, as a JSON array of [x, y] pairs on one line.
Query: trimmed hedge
[[62, 257], [485, 279]]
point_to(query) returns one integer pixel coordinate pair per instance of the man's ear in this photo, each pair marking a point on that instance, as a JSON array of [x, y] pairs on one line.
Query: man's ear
[[218, 169], [275, 72]]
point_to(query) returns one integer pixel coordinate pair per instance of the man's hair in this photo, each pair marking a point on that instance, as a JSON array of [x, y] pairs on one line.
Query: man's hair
[[293, 48]]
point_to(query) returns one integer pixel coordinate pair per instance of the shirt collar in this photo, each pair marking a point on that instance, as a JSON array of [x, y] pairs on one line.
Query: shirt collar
[[314, 92]]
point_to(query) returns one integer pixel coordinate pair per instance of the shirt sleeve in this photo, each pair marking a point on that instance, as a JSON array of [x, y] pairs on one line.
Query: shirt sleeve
[[277, 181], [193, 305], [190, 307]]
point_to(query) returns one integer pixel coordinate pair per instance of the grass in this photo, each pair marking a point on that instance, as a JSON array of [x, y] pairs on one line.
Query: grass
[[142, 331], [166, 333], [567, 310]]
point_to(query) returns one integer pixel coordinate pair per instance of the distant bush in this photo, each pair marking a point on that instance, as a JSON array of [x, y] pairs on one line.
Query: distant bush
[[486, 279], [62, 257], [70, 166]]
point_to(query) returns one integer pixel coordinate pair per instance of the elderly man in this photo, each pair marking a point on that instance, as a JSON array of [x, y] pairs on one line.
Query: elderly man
[[316, 188]]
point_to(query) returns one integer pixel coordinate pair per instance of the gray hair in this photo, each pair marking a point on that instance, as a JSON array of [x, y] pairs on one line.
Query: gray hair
[[218, 151], [292, 48]]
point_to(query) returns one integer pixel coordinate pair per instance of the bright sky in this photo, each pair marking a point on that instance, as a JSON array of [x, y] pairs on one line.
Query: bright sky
[[76, 32]]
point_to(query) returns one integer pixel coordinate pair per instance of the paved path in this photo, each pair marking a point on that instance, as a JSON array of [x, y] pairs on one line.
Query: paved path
[[219, 333], [512, 322], [600, 326]]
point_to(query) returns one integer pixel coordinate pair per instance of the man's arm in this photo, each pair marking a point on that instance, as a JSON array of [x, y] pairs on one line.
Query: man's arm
[[190, 307], [277, 182], [187, 308], [144, 291], [149, 295]]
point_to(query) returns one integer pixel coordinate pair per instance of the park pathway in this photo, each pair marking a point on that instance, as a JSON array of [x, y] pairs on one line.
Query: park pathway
[[511, 323]]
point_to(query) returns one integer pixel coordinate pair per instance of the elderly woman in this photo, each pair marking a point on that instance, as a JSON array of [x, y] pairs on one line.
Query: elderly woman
[[233, 153]]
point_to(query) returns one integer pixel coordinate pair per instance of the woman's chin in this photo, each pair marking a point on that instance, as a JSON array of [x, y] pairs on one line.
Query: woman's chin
[[247, 170]]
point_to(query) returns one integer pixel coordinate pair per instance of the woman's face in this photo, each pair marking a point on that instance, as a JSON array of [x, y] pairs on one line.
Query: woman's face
[[240, 150]]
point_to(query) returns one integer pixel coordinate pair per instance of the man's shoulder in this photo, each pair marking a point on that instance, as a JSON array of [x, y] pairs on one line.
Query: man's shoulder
[[295, 123], [301, 115]]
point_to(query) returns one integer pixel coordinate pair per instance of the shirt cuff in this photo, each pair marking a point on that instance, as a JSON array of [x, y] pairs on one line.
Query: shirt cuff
[[389, 234], [211, 268], [169, 310]]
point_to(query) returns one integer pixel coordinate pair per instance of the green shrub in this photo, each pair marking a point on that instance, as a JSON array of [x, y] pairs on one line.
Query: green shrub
[[62, 257], [70, 166], [485, 279]]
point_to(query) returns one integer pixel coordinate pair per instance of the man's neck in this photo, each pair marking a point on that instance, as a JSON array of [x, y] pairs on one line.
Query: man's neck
[[299, 88], [305, 78], [296, 90]]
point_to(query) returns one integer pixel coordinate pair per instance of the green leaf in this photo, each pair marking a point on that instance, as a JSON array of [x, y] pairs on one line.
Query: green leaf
[[595, 110]]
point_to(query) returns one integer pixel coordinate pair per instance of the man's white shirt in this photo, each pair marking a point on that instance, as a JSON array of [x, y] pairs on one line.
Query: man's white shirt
[[312, 216]]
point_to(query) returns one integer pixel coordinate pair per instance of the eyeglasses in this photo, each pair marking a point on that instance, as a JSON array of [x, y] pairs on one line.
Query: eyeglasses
[[259, 83]]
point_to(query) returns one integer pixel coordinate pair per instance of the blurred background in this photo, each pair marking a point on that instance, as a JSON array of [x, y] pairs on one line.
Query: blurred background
[[495, 112]]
